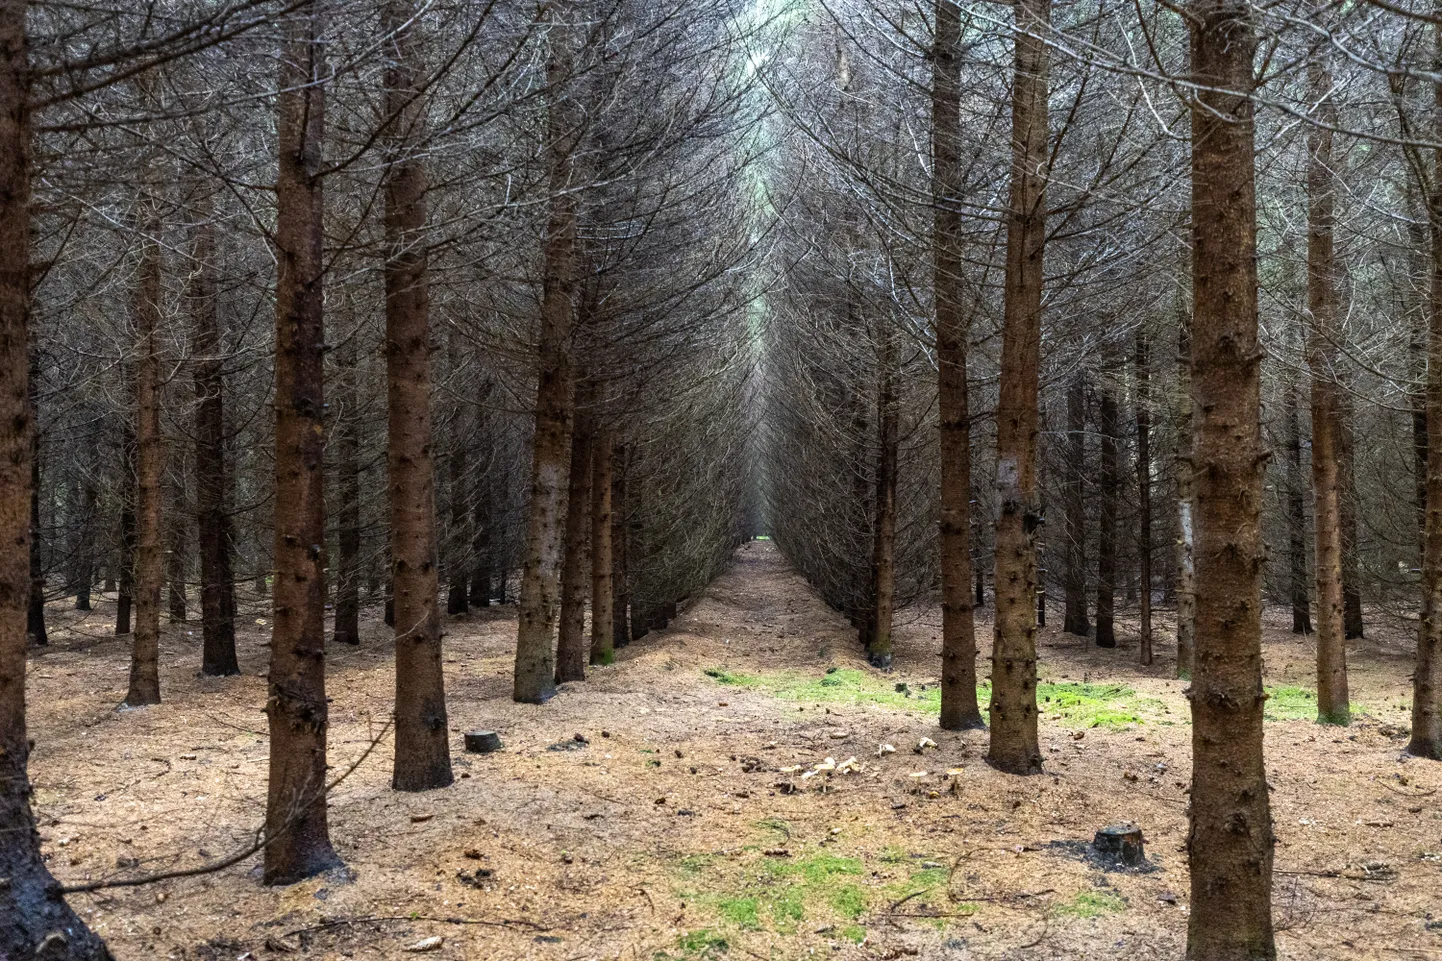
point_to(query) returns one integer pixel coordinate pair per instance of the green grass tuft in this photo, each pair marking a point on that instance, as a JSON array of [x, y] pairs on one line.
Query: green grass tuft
[[1091, 904], [1289, 703], [702, 945]]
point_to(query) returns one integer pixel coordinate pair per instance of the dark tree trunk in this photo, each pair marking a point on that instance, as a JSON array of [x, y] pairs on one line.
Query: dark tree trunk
[[1230, 842], [212, 467], [1014, 747], [1074, 500], [35, 628], [85, 546], [175, 550], [959, 707], [572, 653], [1296, 510], [1352, 624], [296, 825], [1143, 363], [125, 589], [883, 556], [31, 913], [620, 529], [1109, 490], [603, 616], [482, 545], [1186, 504], [458, 565], [348, 490]]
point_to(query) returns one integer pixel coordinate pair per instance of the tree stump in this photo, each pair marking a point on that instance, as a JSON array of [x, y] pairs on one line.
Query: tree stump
[[484, 742], [1121, 842]]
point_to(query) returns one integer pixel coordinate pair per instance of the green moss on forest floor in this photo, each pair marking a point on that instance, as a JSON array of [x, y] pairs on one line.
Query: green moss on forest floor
[[1091, 904]]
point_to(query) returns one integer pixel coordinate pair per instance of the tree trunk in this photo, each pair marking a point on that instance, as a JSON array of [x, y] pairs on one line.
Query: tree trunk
[[541, 571], [175, 544], [212, 466], [603, 615], [1143, 362], [959, 708], [35, 628], [1074, 500], [1014, 747], [1110, 490], [1296, 509], [85, 546], [1230, 840], [620, 532], [348, 488], [1333, 706], [1352, 625], [571, 649], [149, 470], [458, 566], [125, 589], [1186, 505], [30, 911], [422, 754], [883, 557], [483, 513], [296, 825]]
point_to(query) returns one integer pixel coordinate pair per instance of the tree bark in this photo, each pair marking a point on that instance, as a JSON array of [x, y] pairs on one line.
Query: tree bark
[[883, 556], [296, 825], [1230, 840], [1014, 747], [176, 541], [620, 539], [85, 546], [1110, 491], [603, 615], [149, 468], [1074, 500], [35, 612], [1333, 706], [1143, 364], [458, 566], [572, 654], [1352, 622], [959, 708], [422, 752], [1186, 505], [125, 588], [348, 489], [1296, 508], [541, 570]]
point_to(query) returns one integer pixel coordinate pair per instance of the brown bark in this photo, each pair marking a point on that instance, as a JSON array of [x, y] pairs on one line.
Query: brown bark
[[458, 565], [959, 708], [35, 612], [175, 545], [1074, 501], [1296, 507], [212, 466], [482, 512], [1230, 840], [1143, 367], [125, 588], [149, 467], [620, 531], [1186, 505], [296, 825], [1353, 626], [422, 752], [541, 568], [30, 911], [348, 500], [85, 546], [883, 556], [572, 653], [1014, 747], [1333, 706], [1109, 489], [603, 616]]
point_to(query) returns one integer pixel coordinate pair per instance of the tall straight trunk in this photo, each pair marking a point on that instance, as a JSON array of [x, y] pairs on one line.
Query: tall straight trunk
[[31, 912], [1143, 368], [149, 470], [125, 588], [603, 616], [1333, 706], [1296, 507], [620, 531], [1074, 502], [1230, 841], [422, 752], [1352, 623], [348, 491], [481, 531], [1109, 488], [212, 466], [1014, 747], [35, 611], [572, 653], [1186, 505], [541, 569], [458, 565], [296, 827], [176, 540], [883, 557], [85, 546], [959, 708], [1426, 738]]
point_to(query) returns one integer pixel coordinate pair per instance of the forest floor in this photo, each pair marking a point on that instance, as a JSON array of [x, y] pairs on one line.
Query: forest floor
[[659, 810]]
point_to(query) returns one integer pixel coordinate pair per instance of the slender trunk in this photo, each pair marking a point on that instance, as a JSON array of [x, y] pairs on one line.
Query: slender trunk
[[620, 578], [541, 571], [212, 467], [35, 610], [959, 708], [1074, 501], [1353, 626], [883, 558], [125, 589], [422, 753], [296, 825], [31, 913], [458, 573], [1110, 490], [481, 526], [603, 616], [348, 491], [1230, 841], [149, 470], [85, 546], [1186, 505], [1333, 706], [1014, 747], [1296, 508], [1143, 362], [571, 649], [175, 545]]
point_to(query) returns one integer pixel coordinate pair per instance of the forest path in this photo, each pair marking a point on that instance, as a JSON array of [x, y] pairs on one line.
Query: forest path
[[679, 821]]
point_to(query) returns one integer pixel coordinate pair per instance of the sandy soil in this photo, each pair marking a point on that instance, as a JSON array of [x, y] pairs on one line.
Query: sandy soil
[[667, 833]]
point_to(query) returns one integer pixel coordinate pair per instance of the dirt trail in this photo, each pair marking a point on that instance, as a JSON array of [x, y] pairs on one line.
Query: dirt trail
[[676, 828]]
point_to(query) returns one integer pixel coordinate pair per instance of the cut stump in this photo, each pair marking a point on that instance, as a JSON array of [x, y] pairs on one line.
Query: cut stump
[[482, 742], [1122, 842]]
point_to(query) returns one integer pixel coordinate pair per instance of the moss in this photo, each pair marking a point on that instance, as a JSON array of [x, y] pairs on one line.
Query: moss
[[854, 933], [1112, 706], [741, 912], [849, 901], [702, 945], [1091, 904], [1289, 703]]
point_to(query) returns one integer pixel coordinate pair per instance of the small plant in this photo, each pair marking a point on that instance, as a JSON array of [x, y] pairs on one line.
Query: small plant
[[1091, 904]]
